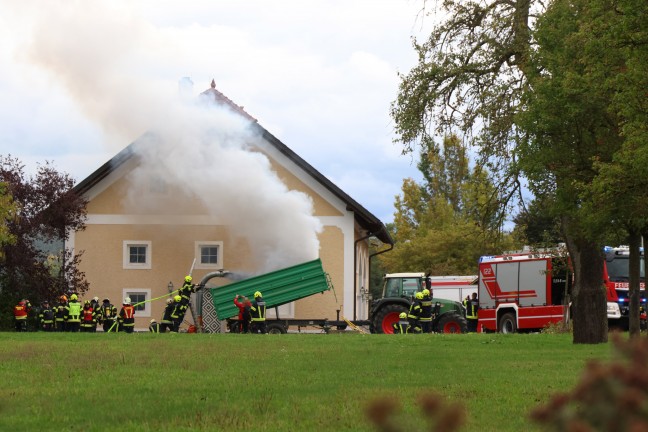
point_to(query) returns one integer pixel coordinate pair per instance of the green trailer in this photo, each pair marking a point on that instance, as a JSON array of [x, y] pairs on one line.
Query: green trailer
[[278, 288]]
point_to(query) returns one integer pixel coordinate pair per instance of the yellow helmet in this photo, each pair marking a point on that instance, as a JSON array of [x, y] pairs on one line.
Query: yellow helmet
[[402, 315], [426, 292], [257, 294], [177, 298], [188, 278], [73, 297], [419, 295]]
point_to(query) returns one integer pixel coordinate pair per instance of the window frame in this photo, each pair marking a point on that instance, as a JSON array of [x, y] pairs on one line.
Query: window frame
[[128, 292], [127, 244], [198, 245]]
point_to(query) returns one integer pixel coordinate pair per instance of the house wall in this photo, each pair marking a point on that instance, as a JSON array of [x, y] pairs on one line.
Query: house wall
[[171, 233]]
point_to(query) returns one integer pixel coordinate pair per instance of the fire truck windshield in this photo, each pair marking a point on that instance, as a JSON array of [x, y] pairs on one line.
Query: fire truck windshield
[[618, 269]]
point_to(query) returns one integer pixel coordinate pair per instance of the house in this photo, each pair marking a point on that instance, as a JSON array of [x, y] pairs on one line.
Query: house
[[134, 247]]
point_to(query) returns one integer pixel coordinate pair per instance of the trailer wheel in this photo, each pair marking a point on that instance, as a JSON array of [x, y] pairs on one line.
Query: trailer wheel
[[387, 316], [277, 328], [452, 323], [507, 324]]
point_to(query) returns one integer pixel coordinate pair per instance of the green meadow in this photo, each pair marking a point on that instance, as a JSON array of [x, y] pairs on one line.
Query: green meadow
[[295, 382]]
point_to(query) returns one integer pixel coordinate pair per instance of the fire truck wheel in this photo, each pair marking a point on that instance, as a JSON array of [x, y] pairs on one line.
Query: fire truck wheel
[[507, 323], [451, 323], [276, 328], [386, 317]]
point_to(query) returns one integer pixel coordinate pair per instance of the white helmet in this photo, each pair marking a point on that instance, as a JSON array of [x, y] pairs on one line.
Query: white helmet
[[169, 301], [127, 300], [96, 299], [153, 320]]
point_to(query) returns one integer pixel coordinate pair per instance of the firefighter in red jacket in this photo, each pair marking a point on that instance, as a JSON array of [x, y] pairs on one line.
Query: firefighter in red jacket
[[21, 312], [127, 316], [244, 313], [88, 318]]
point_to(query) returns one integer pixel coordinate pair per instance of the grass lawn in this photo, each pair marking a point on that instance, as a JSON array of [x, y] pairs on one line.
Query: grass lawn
[[294, 382]]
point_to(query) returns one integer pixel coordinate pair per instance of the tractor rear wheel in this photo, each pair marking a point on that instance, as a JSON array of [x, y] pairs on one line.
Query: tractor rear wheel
[[452, 323], [386, 317]]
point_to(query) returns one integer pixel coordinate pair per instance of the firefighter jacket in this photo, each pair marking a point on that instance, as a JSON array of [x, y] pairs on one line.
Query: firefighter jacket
[[258, 309], [20, 312], [415, 310], [179, 310], [88, 317], [401, 327], [61, 312], [472, 306], [46, 316], [185, 292], [168, 311], [127, 316], [426, 309], [107, 312], [74, 311]]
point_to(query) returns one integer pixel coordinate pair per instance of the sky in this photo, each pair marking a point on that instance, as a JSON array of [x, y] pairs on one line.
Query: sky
[[80, 80]]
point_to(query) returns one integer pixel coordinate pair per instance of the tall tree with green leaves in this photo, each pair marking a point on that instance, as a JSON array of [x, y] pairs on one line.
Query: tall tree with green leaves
[[36, 264]]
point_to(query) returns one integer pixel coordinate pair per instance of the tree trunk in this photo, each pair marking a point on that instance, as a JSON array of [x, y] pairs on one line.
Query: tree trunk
[[589, 300], [633, 290]]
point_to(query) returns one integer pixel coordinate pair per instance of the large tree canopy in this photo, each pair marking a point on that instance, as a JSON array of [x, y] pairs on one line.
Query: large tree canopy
[[538, 93], [36, 265]]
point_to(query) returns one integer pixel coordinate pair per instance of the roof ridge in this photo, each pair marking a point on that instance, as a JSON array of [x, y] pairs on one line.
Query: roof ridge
[[219, 97]]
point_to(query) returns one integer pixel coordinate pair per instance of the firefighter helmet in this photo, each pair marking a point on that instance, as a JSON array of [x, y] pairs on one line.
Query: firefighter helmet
[[87, 302], [127, 301], [426, 292], [106, 300], [169, 301], [257, 294], [419, 295], [73, 297], [63, 298], [402, 315], [21, 302], [188, 278], [96, 299], [177, 298], [153, 320]]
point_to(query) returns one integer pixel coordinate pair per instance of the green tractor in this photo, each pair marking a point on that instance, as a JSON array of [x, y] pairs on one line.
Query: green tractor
[[398, 293]]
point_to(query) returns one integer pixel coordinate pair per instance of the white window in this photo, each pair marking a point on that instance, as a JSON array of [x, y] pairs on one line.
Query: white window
[[137, 254], [139, 299], [209, 255]]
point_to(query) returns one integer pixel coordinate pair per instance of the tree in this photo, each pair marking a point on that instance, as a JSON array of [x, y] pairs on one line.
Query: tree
[[36, 264], [445, 224], [8, 211]]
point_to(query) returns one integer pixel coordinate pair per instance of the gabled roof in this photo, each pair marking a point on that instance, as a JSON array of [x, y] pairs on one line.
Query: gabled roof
[[364, 218]]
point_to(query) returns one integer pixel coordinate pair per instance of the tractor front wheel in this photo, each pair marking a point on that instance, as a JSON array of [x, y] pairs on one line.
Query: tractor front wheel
[[452, 323]]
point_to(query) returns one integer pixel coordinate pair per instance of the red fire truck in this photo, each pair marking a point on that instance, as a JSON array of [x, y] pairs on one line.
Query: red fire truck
[[520, 291], [616, 277]]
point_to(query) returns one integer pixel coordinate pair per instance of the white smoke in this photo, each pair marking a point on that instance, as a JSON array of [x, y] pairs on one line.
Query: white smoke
[[207, 153]]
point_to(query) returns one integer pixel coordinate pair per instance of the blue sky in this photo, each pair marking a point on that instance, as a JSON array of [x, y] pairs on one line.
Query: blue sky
[[80, 80]]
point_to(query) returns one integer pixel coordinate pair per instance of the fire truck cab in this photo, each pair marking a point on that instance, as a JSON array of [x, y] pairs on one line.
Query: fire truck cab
[[616, 277], [520, 292]]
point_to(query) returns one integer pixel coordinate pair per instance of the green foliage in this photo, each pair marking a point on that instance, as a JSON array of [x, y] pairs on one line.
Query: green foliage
[[444, 225], [295, 382], [8, 213]]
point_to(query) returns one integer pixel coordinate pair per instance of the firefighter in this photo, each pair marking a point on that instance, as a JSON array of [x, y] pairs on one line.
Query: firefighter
[[414, 314], [88, 318], [426, 312], [46, 317], [21, 312], [73, 322], [178, 313], [60, 314], [167, 321], [127, 316], [402, 325], [107, 315], [258, 314], [186, 290], [154, 327], [472, 306], [244, 316]]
